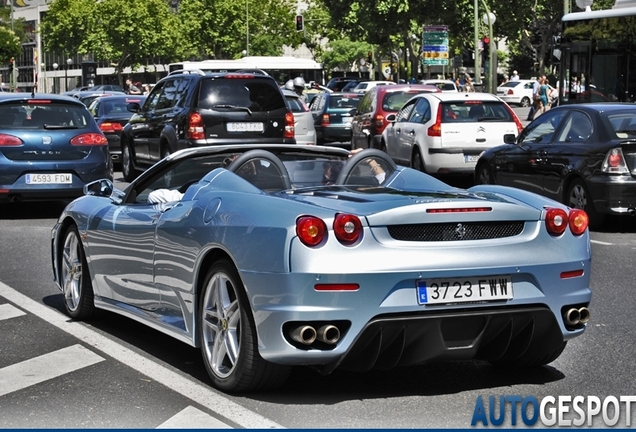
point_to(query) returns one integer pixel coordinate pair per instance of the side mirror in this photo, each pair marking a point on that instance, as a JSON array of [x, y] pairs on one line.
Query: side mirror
[[509, 138], [103, 188], [391, 118], [353, 111]]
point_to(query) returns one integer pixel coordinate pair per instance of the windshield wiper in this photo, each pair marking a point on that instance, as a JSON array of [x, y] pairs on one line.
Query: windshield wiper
[[47, 126], [234, 107]]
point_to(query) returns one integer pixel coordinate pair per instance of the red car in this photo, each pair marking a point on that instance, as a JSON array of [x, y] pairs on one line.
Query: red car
[[369, 120]]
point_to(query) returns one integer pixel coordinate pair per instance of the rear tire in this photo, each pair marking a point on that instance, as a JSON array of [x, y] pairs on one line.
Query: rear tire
[[76, 281], [416, 160], [525, 102], [578, 196], [227, 332], [127, 167]]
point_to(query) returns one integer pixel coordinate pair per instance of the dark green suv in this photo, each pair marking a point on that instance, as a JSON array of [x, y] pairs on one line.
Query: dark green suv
[[192, 108]]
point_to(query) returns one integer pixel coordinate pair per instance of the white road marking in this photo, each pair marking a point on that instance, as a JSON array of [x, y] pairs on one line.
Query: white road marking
[[9, 311], [601, 242], [197, 392], [192, 418], [45, 367]]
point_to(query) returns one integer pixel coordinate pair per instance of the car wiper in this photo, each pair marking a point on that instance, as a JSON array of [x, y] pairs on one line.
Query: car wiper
[[48, 126], [234, 107]]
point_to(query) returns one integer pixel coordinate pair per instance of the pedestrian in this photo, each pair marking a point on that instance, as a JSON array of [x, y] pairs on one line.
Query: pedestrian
[[505, 80], [131, 88], [515, 76], [544, 94], [468, 86], [535, 99]]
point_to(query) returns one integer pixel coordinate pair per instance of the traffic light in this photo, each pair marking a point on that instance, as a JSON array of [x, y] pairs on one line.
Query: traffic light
[[486, 42], [300, 23], [89, 73]]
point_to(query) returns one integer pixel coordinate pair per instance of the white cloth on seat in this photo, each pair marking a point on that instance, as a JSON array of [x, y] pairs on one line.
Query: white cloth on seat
[[164, 196]]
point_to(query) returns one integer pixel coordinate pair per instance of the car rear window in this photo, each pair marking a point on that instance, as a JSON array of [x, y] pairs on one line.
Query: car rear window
[[471, 111], [255, 94], [345, 101], [43, 115], [296, 105], [393, 101], [511, 84], [623, 125]]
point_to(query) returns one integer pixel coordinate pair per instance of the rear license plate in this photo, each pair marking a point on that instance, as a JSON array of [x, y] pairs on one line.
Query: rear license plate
[[49, 178], [471, 158], [443, 291], [346, 120], [245, 127]]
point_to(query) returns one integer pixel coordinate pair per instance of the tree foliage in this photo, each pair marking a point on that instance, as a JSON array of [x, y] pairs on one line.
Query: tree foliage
[[10, 38], [224, 28], [127, 32]]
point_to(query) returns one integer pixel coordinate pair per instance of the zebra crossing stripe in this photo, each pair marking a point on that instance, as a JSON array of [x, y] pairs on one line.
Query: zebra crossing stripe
[[45, 367], [192, 418], [191, 389], [9, 311]]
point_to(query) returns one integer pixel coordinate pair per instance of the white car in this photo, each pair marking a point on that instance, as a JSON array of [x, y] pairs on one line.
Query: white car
[[444, 133], [443, 85], [365, 86], [516, 92], [305, 132]]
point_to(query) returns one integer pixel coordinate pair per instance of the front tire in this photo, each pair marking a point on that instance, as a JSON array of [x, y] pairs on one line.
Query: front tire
[[228, 335], [76, 281], [578, 196], [484, 174]]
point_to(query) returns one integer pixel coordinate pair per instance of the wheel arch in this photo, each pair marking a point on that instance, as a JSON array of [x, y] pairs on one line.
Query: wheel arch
[[211, 256]]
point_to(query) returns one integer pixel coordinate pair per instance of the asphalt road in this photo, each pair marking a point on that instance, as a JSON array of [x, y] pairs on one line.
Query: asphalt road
[[115, 373]]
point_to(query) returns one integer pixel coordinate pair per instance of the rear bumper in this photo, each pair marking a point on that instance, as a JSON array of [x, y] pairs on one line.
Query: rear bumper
[[13, 177], [334, 133], [613, 194], [453, 160]]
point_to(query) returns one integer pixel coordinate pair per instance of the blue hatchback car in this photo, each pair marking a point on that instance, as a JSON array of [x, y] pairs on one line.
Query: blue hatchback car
[[50, 147]]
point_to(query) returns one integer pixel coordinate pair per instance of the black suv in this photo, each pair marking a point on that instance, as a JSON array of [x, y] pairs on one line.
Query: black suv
[[192, 108]]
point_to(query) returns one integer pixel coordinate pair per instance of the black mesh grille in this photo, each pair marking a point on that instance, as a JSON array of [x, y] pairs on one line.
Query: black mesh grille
[[455, 231]]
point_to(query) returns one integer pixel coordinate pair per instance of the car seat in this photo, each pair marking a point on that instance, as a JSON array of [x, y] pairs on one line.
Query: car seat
[[476, 112]]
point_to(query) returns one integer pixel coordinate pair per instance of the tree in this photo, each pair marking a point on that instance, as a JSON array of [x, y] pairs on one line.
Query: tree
[[343, 53], [126, 32], [219, 29], [10, 38]]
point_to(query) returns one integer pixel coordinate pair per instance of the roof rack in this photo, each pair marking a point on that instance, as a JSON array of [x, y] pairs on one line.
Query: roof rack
[[187, 71]]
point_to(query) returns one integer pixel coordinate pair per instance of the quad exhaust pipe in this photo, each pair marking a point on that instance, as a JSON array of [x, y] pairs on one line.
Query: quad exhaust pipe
[[307, 335], [574, 316]]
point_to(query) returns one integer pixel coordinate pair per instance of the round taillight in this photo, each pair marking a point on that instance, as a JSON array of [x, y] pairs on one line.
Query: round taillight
[[556, 221], [347, 228], [615, 158], [311, 230], [579, 221]]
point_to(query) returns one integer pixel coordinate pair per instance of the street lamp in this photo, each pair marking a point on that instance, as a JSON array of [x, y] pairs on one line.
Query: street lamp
[[55, 65], [247, 27], [489, 19], [68, 65]]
